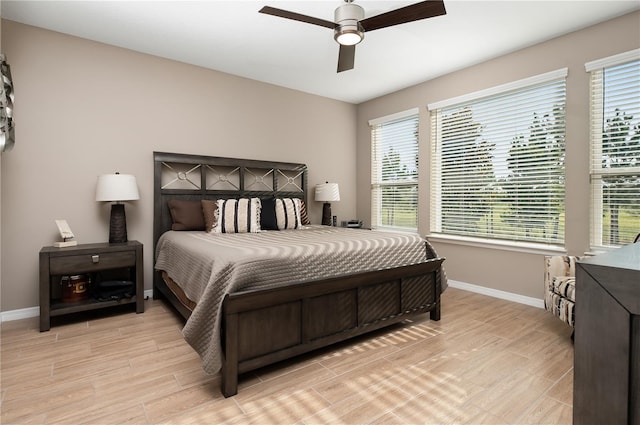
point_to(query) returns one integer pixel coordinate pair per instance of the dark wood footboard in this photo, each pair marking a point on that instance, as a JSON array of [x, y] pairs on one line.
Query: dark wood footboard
[[266, 326]]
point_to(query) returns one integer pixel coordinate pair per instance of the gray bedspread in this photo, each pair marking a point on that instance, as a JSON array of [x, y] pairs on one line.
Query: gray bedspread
[[208, 266]]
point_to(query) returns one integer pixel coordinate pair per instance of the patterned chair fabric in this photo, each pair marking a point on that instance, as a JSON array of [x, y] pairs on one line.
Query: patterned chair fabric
[[560, 286]]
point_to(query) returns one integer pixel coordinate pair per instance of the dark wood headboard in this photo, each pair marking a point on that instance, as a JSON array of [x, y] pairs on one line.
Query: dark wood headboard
[[196, 177]]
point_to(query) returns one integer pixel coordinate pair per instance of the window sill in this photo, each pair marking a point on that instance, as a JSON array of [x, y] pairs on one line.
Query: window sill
[[526, 247], [395, 229]]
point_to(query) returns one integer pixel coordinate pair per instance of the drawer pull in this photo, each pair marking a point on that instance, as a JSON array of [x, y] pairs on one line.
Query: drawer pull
[[95, 258]]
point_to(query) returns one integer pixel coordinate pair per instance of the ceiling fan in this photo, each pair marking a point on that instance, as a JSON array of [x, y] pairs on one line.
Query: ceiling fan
[[349, 26]]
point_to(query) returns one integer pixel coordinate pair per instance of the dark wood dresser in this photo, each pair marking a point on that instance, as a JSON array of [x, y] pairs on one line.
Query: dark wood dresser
[[606, 387]]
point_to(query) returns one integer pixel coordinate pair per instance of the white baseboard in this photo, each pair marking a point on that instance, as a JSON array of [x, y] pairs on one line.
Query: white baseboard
[[509, 296], [25, 313]]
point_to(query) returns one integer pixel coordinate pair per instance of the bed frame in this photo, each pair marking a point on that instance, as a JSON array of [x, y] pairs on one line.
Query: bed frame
[[300, 317]]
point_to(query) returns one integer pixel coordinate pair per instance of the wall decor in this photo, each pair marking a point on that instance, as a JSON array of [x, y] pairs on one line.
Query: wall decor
[[7, 125]]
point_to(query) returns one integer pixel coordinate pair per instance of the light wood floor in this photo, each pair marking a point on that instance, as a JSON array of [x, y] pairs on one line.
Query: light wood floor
[[487, 361]]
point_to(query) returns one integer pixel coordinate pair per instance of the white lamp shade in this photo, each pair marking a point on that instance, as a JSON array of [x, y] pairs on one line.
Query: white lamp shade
[[117, 187], [327, 192]]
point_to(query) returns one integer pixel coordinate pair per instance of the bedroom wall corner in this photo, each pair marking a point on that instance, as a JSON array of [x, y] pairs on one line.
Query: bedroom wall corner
[[85, 108]]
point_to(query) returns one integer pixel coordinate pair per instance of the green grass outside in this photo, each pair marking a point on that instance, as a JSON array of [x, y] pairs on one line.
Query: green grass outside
[[629, 225]]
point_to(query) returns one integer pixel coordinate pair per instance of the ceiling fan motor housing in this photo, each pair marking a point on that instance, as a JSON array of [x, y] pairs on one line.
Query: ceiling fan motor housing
[[348, 29]]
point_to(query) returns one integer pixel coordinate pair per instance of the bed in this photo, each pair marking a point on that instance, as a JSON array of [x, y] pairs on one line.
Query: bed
[[253, 299]]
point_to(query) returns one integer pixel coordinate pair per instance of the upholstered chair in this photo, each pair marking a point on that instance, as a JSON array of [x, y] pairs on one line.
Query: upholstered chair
[[560, 286]]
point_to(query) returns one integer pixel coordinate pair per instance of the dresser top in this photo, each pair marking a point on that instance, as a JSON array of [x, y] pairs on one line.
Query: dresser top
[[626, 257]]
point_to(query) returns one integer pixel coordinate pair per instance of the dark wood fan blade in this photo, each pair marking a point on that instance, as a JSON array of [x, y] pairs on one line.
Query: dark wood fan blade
[[346, 57], [297, 17], [413, 12]]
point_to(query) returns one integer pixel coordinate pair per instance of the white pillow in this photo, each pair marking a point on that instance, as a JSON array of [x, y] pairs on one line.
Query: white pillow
[[288, 213], [238, 215]]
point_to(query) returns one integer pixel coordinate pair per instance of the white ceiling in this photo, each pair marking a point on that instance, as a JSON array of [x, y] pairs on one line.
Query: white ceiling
[[232, 37]]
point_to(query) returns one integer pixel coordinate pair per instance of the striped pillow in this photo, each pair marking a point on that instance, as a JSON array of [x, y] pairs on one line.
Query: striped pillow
[[288, 213], [304, 216], [238, 216]]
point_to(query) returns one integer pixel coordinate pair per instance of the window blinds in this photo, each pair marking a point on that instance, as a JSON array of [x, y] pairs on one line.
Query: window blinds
[[498, 162], [615, 149], [394, 171]]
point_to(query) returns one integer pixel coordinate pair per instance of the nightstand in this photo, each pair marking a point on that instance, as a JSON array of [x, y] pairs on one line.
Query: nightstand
[[95, 263]]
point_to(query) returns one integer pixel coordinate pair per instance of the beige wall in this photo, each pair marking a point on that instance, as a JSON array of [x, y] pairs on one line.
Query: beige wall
[[84, 109], [515, 272]]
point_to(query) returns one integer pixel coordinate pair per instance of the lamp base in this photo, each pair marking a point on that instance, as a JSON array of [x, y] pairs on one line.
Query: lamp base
[[118, 224], [326, 214]]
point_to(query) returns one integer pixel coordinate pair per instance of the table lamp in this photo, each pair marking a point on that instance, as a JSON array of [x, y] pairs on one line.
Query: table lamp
[[117, 188], [327, 192]]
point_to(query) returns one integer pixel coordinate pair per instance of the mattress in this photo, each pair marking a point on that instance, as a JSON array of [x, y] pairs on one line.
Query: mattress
[[207, 266]]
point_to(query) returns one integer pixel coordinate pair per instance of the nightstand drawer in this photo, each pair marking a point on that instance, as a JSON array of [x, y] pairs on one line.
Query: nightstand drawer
[[73, 264]]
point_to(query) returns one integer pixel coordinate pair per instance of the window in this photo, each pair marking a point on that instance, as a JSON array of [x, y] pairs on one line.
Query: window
[[615, 149], [498, 162], [394, 171]]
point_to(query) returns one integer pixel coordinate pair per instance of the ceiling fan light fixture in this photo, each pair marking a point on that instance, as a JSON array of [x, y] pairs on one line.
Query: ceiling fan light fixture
[[348, 30], [348, 35]]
